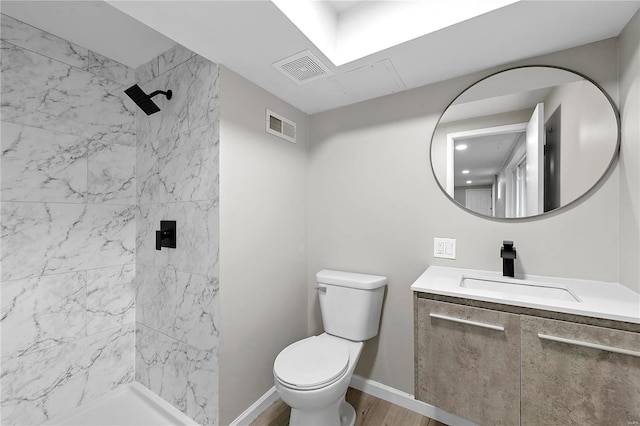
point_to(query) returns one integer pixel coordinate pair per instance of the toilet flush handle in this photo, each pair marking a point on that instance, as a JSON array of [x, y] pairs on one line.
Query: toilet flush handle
[[323, 289]]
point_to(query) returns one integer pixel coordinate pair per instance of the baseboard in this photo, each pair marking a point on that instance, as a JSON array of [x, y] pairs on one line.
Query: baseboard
[[406, 400], [376, 389], [251, 413]]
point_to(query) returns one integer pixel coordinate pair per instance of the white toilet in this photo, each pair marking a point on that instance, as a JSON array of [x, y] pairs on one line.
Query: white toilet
[[312, 375]]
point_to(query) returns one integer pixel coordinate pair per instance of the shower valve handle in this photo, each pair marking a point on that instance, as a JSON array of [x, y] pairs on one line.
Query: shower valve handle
[[166, 236]]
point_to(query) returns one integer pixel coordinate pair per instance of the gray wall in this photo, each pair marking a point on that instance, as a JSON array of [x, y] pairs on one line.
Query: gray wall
[[263, 225], [585, 119], [177, 321], [629, 51], [68, 225], [375, 207]]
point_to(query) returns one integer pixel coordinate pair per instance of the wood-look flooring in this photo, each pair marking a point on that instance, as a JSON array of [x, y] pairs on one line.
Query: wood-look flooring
[[370, 411]]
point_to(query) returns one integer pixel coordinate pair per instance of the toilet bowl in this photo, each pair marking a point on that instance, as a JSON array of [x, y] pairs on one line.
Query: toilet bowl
[[312, 375]]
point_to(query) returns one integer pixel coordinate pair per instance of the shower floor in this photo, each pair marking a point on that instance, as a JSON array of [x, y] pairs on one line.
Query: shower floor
[[129, 405]]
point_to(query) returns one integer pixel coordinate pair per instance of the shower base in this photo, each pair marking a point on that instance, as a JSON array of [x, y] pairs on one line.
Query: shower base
[[129, 405]]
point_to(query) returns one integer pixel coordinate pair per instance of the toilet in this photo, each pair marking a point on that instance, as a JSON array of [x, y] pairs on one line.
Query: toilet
[[312, 375]]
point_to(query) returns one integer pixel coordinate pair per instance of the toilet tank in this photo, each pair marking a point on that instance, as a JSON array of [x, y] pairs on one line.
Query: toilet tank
[[350, 303]]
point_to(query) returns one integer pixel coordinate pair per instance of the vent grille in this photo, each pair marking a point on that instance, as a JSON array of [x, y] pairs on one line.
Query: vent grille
[[303, 67], [280, 126], [275, 124]]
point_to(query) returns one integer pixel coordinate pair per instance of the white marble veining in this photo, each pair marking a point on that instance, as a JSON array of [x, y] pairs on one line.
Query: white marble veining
[[43, 328], [110, 298], [40, 165], [177, 171], [173, 57], [111, 360], [41, 92], [198, 234], [23, 297], [30, 38], [147, 71], [181, 305], [111, 173], [67, 220], [181, 374], [48, 238], [161, 365], [180, 167], [596, 299], [110, 69], [173, 115], [123, 133], [70, 138], [203, 375], [43, 384], [203, 92], [64, 322]]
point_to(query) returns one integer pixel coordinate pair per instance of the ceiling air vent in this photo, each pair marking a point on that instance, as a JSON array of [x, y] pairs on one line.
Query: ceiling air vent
[[279, 126], [303, 67]]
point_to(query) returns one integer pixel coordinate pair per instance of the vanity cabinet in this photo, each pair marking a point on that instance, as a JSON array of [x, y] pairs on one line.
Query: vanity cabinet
[[468, 361], [579, 374], [504, 365]]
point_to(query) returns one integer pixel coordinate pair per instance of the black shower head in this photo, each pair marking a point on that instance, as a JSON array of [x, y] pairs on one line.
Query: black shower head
[[143, 100]]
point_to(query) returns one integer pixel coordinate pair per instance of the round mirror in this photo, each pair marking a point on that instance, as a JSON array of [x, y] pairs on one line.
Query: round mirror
[[525, 141]]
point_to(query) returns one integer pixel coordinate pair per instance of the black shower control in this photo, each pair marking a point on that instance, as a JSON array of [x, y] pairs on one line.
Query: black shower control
[[166, 236]]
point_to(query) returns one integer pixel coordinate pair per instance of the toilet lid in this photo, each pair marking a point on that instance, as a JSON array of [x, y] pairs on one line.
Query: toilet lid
[[311, 363]]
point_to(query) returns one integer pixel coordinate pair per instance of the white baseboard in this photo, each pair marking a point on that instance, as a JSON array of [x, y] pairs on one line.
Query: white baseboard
[[252, 413], [407, 401], [376, 389]]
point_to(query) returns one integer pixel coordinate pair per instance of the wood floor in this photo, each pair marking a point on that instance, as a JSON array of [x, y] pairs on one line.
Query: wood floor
[[370, 411]]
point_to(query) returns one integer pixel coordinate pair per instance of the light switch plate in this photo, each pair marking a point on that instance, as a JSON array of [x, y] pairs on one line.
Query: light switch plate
[[444, 248]]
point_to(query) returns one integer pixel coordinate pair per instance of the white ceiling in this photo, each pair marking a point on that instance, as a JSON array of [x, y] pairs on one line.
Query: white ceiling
[[343, 5], [350, 33], [249, 36], [94, 25], [484, 158]]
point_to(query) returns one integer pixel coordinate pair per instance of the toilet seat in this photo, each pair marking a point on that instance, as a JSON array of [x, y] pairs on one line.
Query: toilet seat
[[311, 363]]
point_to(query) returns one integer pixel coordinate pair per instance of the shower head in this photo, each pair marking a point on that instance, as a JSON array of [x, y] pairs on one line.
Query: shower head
[[143, 100]]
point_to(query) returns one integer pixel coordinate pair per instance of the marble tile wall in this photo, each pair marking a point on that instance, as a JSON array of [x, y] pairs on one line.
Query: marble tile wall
[[177, 321], [68, 211]]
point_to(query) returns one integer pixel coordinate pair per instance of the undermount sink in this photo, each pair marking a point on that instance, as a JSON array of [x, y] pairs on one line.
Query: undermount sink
[[518, 288], [597, 299]]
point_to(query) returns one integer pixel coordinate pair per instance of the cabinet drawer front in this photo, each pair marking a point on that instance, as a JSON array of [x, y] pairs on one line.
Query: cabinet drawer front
[[579, 374], [468, 361]]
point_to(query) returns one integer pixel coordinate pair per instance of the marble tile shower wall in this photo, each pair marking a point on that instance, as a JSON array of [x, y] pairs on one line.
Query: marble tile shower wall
[[177, 289], [67, 254]]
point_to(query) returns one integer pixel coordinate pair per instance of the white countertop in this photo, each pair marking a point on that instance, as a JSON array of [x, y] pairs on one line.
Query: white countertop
[[598, 299]]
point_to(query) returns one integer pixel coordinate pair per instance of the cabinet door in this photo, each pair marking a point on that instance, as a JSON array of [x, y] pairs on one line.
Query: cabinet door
[[468, 361], [574, 374]]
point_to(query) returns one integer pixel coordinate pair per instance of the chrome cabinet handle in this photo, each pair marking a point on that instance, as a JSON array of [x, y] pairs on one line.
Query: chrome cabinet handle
[[588, 345], [467, 322]]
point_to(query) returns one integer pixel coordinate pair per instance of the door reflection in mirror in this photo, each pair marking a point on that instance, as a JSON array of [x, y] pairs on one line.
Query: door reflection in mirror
[[535, 139]]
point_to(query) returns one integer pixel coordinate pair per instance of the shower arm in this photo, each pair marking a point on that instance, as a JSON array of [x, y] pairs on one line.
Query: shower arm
[[168, 93]]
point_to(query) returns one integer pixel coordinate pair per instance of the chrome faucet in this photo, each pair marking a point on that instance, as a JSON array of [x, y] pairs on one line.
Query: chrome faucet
[[508, 255]]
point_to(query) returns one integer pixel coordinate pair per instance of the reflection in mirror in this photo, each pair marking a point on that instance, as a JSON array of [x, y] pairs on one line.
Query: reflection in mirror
[[525, 141]]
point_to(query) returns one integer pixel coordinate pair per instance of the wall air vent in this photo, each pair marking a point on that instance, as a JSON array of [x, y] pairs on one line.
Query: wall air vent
[[279, 126], [303, 67]]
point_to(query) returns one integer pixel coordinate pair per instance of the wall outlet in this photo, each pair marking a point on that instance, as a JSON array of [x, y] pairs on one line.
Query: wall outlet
[[444, 248]]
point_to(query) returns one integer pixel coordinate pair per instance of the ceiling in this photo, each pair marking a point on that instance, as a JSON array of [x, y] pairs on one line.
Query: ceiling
[[483, 159], [342, 6], [249, 36]]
